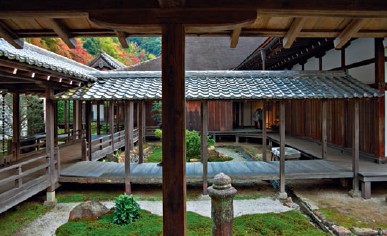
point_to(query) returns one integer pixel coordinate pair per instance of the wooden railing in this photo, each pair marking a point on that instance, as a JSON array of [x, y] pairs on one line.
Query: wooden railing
[[22, 180], [102, 146]]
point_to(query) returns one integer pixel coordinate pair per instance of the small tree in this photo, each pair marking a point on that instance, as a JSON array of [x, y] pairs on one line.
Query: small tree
[[156, 111]]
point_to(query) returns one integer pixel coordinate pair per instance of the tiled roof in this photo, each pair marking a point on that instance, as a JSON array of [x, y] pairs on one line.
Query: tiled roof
[[39, 57], [111, 61], [226, 85]]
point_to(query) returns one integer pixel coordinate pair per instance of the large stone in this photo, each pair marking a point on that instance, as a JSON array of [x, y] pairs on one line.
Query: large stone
[[340, 230], [89, 209], [364, 231]]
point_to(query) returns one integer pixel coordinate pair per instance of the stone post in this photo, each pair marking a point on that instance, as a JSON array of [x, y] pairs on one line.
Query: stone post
[[222, 213]]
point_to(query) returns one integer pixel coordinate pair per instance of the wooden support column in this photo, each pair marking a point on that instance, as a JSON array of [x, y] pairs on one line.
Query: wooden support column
[[324, 137], [56, 122], [128, 143], [204, 134], [282, 193], [264, 132], [88, 128], [131, 125], [355, 151], [98, 119], [111, 122], [380, 113], [141, 124], [65, 117], [16, 126], [173, 120], [50, 143]]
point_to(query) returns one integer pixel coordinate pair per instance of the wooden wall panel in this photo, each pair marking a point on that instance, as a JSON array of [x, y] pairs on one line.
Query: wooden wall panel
[[220, 115], [193, 115]]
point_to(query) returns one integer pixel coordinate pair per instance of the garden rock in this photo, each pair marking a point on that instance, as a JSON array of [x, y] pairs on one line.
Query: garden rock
[[89, 209], [364, 231], [340, 230]]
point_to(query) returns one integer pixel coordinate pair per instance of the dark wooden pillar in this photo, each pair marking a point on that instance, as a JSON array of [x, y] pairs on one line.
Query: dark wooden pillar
[[88, 128], [173, 120], [65, 117], [355, 151], [131, 125], [50, 142], [204, 134], [264, 132], [324, 137], [98, 119], [380, 112], [128, 143], [111, 122], [141, 124], [16, 125], [56, 138], [282, 193]]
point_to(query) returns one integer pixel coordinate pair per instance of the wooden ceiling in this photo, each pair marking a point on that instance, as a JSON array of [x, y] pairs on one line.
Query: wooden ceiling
[[339, 19]]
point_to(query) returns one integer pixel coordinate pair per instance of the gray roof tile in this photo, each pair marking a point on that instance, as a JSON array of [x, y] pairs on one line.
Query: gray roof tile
[[40, 57], [226, 85]]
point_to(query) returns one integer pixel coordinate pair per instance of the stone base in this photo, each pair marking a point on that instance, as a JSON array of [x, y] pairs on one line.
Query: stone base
[[51, 200], [282, 196], [354, 193]]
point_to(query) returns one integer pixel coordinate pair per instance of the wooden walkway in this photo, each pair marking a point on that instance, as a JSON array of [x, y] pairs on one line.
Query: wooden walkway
[[240, 172]]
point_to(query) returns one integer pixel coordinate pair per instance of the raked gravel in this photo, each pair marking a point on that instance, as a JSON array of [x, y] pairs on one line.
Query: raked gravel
[[48, 223]]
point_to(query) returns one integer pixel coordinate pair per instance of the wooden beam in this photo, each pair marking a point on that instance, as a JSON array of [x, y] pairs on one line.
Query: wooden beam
[[235, 37], [282, 193], [63, 32], [154, 17], [171, 3], [380, 113], [98, 118], [11, 37], [50, 137], [122, 38], [352, 28], [16, 125], [128, 141], [355, 150], [173, 120], [264, 132], [324, 136], [293, 32], [131, 125], [204, 134], [141, 133]]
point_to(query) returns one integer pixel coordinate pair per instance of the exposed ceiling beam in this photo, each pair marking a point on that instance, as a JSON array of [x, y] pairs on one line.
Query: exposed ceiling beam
[[350, 30], [294, 30], [235, 37], [61, 30], [10, 36], [122, 37], [171, 3]]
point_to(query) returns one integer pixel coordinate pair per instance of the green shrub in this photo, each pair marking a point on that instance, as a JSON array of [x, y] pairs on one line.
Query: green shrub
[[192, 141], [158, 133], [126, 210]]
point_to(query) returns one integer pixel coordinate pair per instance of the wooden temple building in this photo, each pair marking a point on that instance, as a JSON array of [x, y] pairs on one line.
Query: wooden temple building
[[341, 20]]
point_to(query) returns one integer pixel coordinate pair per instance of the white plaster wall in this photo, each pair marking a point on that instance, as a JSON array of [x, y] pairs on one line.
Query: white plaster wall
[[360, 50], [297, 67], [332, 59], [311, 64], [94, 110], [365, 74]]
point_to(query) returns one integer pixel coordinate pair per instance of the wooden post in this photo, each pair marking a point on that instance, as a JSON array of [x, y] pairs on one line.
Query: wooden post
[[131, 124], [65, 118], [50, 144], [141, 115], [16, 125], [98, 119], [282, 193], [355, 151], [88, 128], [264, 132], [204, 134], [111, 121], [128, 143], [173, 120], [380, 113], [56, 140], [324, 136]]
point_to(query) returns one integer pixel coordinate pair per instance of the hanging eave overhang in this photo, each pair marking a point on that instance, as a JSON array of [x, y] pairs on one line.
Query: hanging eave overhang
[[225, 85]]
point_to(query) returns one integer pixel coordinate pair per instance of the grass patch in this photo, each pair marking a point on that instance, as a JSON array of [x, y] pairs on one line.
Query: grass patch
[[219, 159], [348, 221], [17, 217], [288, 223], [155, 156]]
